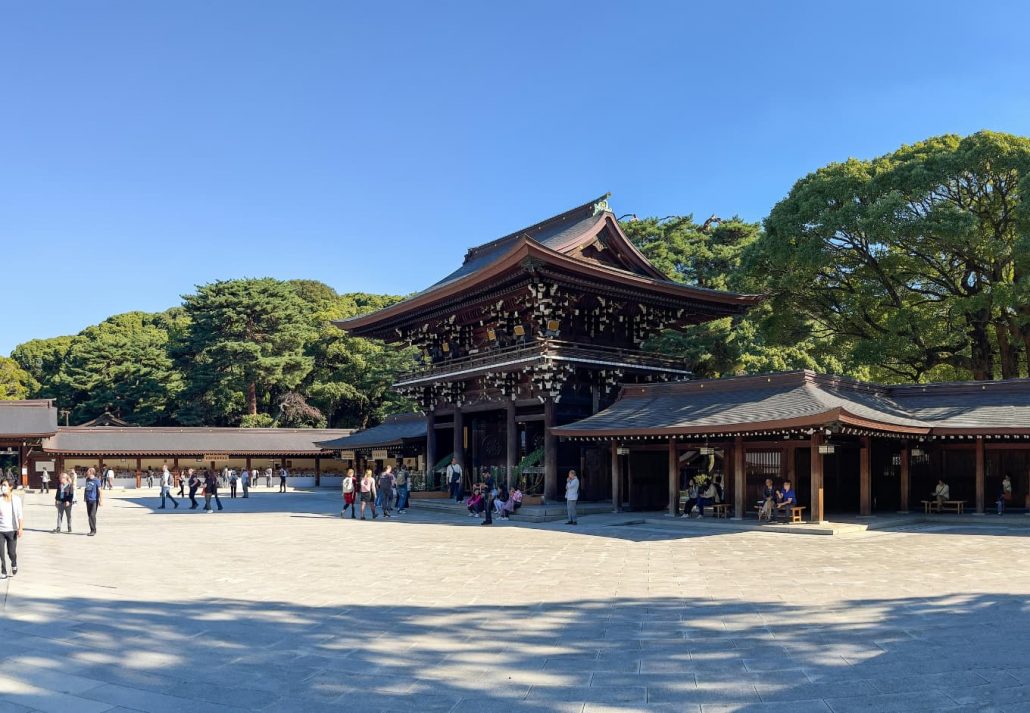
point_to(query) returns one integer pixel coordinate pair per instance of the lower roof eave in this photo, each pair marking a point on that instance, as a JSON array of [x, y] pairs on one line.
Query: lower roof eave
[[999, 431], [187, 454]]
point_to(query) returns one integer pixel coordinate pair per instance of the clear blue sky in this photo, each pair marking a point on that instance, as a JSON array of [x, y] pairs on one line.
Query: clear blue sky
[[146, 147]]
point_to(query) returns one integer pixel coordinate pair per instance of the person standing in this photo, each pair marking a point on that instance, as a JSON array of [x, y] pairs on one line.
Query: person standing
[[11, 521], [403, 488], [94, 499], [386, 483], [194, 483], [268, 477], [1004, 493], [150, 476], [282, 479], [45, 478], [232, 484], [454, 479], [368, 493], [571, 496], [109, 477], [182, 483], [211, 491], [488, 496], [349, 486], [166, 489], [63, 499]]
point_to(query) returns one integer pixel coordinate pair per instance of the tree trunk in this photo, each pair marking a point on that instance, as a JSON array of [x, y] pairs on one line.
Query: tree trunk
[[980, 346], [252, 399], [1008, 353]]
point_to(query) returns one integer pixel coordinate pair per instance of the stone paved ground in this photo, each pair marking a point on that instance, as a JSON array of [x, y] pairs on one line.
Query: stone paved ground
[[274, 605]]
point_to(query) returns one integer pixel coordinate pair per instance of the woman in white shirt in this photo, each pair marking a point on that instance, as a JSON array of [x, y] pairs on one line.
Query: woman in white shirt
[[11, 521]]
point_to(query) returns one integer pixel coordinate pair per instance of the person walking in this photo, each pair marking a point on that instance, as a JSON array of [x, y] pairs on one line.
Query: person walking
[[454, 479], [403, 488], [63, 498], [94, 499], [194, 483], [166, 489], [349, 486], [211, 491], [571, 496], [45, 479], [268, 477], [245, 481], [12, 519], [182, 483], [386, 481], [282, 479], [368, 493], [150, 476], [233, 479]]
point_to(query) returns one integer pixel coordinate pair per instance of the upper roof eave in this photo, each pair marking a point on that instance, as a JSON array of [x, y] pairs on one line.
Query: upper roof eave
[[526, 247]]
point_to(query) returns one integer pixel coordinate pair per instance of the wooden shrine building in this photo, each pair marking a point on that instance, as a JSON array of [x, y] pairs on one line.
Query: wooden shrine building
[[848, 446], [538, 329]]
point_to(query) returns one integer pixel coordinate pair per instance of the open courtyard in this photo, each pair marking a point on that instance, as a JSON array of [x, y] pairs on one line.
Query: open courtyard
[[277, 604]]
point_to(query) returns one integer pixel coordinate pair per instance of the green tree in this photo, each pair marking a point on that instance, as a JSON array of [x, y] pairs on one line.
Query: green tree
[[42, 359], [121, 365], [14, 381], [914, 263], [244, 345]]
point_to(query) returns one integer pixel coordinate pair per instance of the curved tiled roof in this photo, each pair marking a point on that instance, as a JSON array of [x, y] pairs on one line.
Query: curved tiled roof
[[190, 441], [27, 419], [394, 431], [804, 399]]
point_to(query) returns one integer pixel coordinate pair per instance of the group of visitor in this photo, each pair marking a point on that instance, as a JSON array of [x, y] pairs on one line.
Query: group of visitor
[[702, 492], [389, 492], [64, 499], [775, 501]]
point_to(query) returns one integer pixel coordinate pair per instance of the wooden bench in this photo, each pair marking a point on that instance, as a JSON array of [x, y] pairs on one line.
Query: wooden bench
[[722, 510], [794, 516], [955, 506]]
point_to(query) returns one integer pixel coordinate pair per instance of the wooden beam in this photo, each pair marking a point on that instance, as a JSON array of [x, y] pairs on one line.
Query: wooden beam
[[980, 475], [616, 478], [865, 478], [816, 509], [905, 476], [738, 478], [674, 478], [550, 454], [512, 449], [431, 457]]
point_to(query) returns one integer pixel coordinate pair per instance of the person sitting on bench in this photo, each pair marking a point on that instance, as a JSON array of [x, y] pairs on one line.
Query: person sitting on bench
[[787, 499], [941, 493], [711, 495], [691, 501], [768, 500]]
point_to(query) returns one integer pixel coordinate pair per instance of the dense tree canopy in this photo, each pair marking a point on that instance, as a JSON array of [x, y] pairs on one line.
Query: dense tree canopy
[[14, 381], [266, 340]]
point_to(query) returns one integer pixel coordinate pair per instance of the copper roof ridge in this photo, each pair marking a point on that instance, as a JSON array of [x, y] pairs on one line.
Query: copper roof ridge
[[477, 249]]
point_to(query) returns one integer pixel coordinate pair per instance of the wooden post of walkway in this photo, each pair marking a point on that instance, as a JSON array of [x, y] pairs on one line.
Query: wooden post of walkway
[[738, 478], [512, 450], [865, 478], [616, 478], [980, 475], [550, 454], [459, 442], [816, 478], [139, 472], [674, 478], [904, 476], [430, 481]]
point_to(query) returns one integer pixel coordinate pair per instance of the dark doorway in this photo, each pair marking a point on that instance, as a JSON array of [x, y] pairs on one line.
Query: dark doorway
[[648, 480], [840, 480]]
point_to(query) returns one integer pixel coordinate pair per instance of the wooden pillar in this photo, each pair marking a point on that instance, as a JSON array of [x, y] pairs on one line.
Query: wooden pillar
[[616, 478], [550, 454], [23, 465], [430, 449], [738, 478], [318, 470], [904, 476], [674, 478], [139, 472], [512, 449], [459, 441], [816, 508], [980, 475], [791, 463], [865, 478]]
